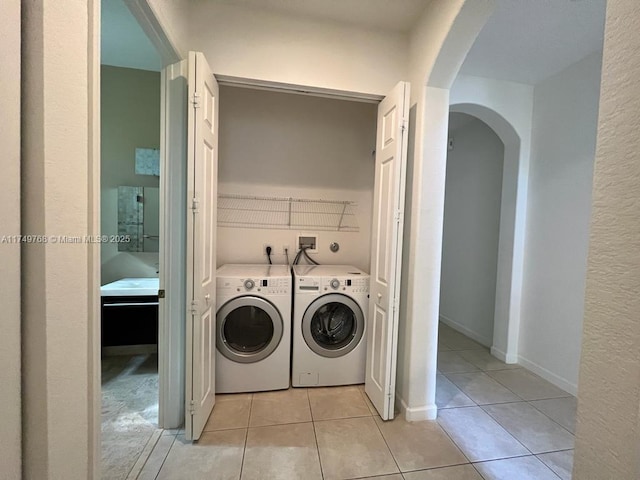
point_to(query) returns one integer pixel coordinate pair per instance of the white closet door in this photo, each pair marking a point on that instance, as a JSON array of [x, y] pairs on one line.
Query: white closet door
[[386, 249], [202, 181]]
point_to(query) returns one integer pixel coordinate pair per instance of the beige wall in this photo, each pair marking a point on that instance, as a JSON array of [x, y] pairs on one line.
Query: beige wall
[[265, 45], [57, 283], [171, 15], [288, 145], [608, 430], [130, 119], [10, 427]]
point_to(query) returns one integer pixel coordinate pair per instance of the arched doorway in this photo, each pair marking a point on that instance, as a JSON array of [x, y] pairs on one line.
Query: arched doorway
[[511, 233], [470, 242]]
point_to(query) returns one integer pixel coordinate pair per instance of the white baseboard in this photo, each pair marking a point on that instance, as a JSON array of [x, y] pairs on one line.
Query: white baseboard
[[417, 414], [426, 412], [465, 330], [506, 358], [549, 376]]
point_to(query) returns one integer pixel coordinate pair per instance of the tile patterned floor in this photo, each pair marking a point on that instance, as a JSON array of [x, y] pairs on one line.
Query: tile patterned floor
[[129, 413], [495, 422]]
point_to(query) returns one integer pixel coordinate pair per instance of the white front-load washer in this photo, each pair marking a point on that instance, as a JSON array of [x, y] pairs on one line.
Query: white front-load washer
[[253, 328], [329, 322]]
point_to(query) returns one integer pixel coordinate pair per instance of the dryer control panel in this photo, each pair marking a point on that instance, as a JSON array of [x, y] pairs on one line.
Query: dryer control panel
[[332, 284], [345, 284], [266, 286]]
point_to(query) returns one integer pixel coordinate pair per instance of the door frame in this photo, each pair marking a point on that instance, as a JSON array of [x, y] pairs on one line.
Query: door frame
[[256, 84], [171, 339], [513, 206], [171, 335], [171, 352], [171, 276]]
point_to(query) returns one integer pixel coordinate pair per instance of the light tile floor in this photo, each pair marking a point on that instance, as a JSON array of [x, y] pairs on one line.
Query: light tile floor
[[129, 413], [495, 422]]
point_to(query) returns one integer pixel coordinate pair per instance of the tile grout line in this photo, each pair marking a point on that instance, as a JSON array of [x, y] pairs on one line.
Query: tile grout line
[[387, 445], [505, 428], [504, 403], [568, 395], [520, 401], [310, 408], [519, 456], [549, 466], [157, 434], [315, 436], [490, 377], [477, 471], [528, 402], [558, 423], [246, 437], [244, 451], [117, 371], [175, 437], [499, 425], [265, 426], [442, 467], [452, 440], [486, 372]]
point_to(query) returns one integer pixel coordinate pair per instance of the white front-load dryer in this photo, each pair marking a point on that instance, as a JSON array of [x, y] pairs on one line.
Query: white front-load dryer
[[329, 325], [253, 328]]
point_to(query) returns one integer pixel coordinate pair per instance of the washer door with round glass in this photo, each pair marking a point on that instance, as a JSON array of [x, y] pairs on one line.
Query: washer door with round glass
[[333, 325], [249, 329]]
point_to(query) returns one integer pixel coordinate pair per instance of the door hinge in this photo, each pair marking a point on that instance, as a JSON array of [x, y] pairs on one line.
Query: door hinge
[[192, 407], [394, 304], [397, 216], [196, 100], [195, 205], [194, 307], [161, 293], [404, 124]]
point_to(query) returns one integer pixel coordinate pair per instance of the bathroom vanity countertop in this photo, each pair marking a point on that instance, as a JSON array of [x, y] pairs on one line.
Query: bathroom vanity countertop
[[126, 287]]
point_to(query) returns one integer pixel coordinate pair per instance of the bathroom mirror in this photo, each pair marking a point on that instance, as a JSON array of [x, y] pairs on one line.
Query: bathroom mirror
[[139, 218]]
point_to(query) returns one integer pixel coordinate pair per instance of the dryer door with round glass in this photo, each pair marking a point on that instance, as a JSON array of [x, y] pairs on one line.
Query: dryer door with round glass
[[333, 325], [249, 329]]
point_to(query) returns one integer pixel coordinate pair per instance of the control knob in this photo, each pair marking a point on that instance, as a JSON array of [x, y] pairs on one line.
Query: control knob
[[249, 284], [335, 283]]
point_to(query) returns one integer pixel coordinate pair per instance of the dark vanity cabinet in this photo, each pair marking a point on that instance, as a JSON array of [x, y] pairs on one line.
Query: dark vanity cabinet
[[129, 320]]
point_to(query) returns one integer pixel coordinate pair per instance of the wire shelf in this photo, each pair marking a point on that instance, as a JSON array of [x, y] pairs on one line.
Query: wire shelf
[[286, 213]]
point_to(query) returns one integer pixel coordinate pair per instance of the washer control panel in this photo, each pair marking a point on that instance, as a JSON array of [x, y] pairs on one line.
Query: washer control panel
[[345, 284], [255, 285], [307, 284]]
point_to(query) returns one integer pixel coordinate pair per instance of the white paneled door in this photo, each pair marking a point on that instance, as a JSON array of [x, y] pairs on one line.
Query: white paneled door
[[386, 249], [202, 181]]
